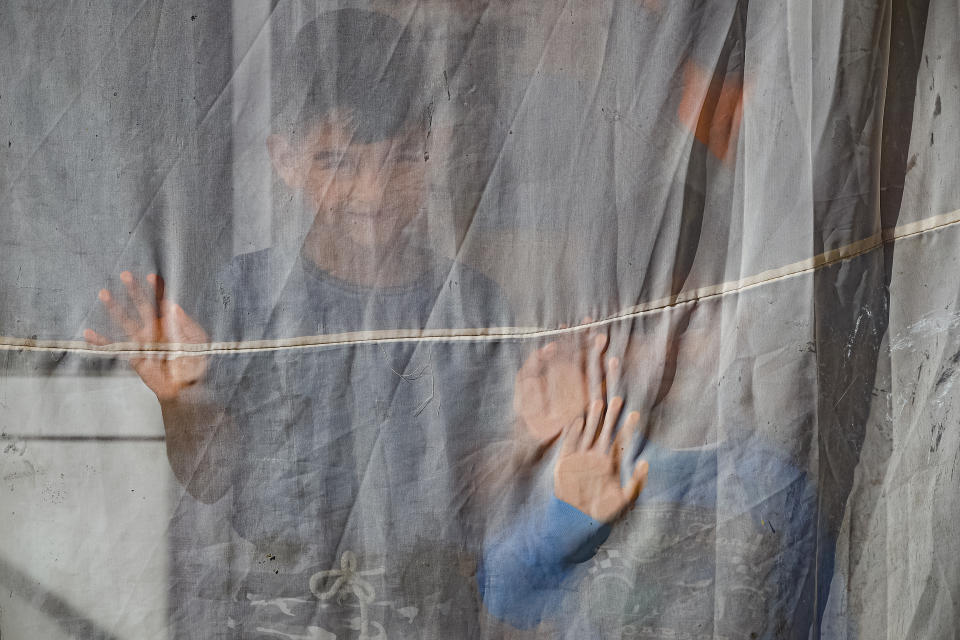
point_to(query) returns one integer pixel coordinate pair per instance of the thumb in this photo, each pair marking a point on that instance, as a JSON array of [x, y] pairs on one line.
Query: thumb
[[637, 482]]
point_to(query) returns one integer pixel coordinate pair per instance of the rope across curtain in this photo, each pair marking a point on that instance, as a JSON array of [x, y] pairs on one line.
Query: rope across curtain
[[440, 319]]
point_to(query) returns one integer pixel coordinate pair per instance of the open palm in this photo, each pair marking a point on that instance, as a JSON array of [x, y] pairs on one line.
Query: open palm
[[159, 322], [587, 474]]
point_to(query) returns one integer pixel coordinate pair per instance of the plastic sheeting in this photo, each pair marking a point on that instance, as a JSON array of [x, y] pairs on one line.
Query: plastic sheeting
[[317, 319]]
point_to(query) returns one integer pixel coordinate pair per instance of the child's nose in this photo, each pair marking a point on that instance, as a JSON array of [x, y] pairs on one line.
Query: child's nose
[[367, 185]]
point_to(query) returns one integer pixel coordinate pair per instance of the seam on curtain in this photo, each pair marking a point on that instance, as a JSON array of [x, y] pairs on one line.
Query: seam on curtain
[[820, 261]]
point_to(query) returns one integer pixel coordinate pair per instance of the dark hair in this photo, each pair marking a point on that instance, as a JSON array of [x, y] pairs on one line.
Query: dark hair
[[361, 63]]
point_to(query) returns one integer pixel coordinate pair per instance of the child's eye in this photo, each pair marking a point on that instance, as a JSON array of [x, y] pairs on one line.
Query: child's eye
[[326, 160]]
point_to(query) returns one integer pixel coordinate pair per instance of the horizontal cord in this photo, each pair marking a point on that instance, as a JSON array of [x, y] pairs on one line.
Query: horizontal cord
[[489, 334]]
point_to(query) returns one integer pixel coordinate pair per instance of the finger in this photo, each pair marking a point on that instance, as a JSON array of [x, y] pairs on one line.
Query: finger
[[572, 435], [148, 313], [95, 338], [591, 332], [638, 481], [159, 287], [613, 376], [118, 316], [594, 414], [609, 422], [625, 435], [540, 357], [595, 366], [172, 321], [599, 343]]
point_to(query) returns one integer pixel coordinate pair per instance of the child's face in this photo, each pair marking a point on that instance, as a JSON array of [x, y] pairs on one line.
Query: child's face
[[363, 192]]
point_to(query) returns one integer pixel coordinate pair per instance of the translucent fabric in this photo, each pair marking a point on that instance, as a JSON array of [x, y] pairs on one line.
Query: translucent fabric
[[448, 319]]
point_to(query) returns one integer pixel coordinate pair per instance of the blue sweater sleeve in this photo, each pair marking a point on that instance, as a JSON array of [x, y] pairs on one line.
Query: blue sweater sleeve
[[526, 571]]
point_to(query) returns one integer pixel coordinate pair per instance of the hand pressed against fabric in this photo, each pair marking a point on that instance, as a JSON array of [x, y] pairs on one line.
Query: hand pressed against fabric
[[553, 387], [158, 321], [551, 395], [195, 427], [587, 474]]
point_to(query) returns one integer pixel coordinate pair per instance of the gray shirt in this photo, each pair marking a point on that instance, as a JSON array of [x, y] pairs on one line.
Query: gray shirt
[[358, 458]]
